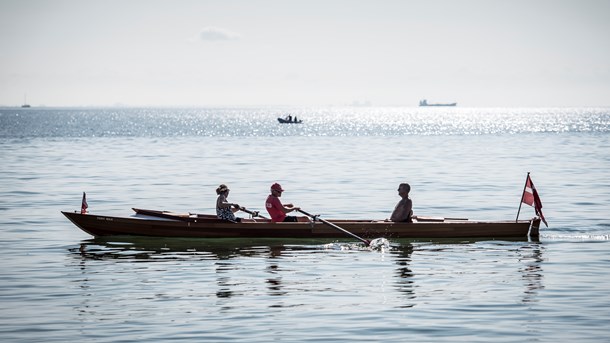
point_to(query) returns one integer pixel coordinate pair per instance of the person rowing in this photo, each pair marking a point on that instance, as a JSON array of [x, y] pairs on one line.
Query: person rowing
[[403, 212], [224, 209], [277, 210]]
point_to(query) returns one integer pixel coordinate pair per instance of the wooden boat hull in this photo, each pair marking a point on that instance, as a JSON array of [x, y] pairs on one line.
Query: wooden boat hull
[[98, 225]]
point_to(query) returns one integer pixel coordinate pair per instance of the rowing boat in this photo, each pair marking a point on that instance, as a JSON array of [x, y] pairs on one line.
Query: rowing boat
[[169, 224], [286, 121]]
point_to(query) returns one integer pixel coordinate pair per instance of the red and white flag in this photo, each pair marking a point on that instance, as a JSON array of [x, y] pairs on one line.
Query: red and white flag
[[530, 197], [84, 205]]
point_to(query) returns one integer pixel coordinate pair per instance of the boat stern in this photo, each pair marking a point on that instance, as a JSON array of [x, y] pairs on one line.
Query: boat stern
[[534, 230]]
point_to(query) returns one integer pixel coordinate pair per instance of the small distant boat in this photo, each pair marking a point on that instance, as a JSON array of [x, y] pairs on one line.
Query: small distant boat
[[25, 103], [289, 120], [425, 103]]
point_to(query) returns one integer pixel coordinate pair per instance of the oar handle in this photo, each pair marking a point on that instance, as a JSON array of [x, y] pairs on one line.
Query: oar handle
[[366, 241], [254, 213], [309, 215]]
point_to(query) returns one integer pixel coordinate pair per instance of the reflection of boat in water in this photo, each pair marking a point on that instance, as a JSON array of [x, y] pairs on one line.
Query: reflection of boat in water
[[166, 249], [289, 120], [209, 227], [425, 103], [155, 248]]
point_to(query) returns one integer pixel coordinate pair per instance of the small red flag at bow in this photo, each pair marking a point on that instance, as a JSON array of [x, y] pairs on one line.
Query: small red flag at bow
[[530, 197], [84, 205]]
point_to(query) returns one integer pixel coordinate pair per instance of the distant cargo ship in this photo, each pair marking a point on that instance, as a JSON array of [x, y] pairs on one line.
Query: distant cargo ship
[[425, 103]]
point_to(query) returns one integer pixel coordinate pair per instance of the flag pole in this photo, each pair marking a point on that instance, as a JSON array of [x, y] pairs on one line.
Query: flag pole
[[522, 195]]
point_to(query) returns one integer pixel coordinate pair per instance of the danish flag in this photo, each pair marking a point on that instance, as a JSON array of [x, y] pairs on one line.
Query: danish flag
[[84, 205], [530, 197]]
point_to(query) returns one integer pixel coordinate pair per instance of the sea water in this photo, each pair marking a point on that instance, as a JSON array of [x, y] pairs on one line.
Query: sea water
[[59, 284]]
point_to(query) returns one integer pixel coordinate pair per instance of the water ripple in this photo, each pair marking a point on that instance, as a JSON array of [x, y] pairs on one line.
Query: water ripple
[[331, 121]]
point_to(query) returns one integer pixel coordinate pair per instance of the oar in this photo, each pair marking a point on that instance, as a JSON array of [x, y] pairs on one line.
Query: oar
[[367, 242], [253, 213]]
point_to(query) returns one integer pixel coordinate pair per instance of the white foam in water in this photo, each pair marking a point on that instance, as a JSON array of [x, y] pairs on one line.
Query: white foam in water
[[380, 244], [377, 244], [584, 237], [340, 246]]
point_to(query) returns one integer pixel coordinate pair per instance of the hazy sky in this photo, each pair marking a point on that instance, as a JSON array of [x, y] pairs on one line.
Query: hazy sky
[[241, 53]]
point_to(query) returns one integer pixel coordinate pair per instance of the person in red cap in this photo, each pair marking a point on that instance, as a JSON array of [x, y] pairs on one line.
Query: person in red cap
[[276, 209]]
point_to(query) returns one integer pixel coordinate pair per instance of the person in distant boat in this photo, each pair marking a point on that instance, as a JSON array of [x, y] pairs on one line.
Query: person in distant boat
[[289, 118], [276, 209], [295, 119], [224, 209], [403, 212]]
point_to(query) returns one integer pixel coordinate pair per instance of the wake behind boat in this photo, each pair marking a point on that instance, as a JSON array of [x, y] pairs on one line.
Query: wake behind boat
[[169, 224]]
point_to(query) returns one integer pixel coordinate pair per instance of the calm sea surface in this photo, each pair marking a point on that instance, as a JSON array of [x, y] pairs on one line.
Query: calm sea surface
[[58, 284]]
